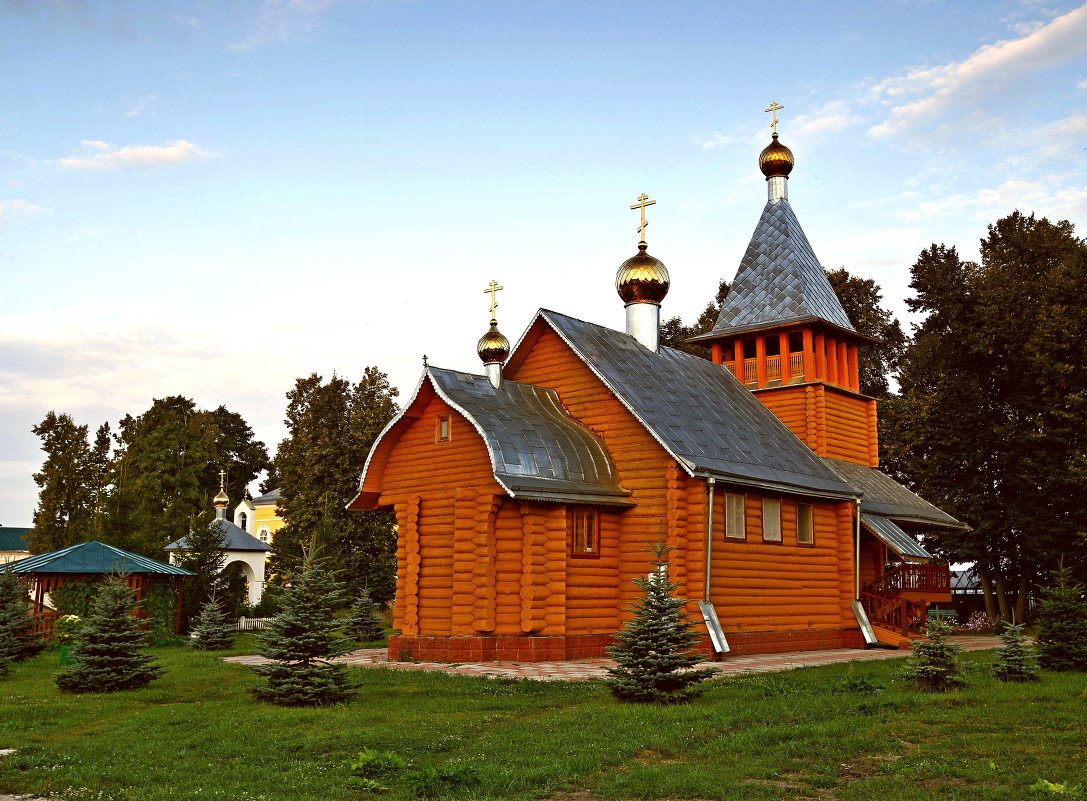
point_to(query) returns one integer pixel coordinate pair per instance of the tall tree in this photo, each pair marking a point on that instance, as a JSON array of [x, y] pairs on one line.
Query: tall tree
[[205, 555], [331, 427], [166, 468], [862, 298], [992, 419], [72, 483]]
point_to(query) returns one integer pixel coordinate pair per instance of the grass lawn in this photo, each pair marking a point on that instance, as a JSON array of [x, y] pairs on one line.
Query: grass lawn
[[197, 734]]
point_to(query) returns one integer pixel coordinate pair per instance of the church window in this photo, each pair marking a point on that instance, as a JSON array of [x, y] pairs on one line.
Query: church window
[[243, 522], [735, 526], [442, 428], [263, 535], [584, 527], [805, 524], [771, 519]]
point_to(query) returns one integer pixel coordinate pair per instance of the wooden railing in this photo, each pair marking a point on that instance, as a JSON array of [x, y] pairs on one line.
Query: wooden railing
[[912, 578], [886, 612], [773, 368]]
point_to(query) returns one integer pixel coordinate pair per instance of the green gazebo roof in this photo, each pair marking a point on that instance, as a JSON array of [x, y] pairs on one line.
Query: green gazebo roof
[[94, 557]]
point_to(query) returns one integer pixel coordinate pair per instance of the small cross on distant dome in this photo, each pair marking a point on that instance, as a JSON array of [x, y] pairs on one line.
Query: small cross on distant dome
[[643, 201], [774, 109], [492, 289]]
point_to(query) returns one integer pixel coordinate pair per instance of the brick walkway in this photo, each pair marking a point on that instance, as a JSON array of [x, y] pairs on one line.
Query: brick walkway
[[595, 668]]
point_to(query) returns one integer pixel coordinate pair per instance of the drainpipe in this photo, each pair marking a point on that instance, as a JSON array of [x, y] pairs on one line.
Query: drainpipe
[[857, 565], [709, 535]]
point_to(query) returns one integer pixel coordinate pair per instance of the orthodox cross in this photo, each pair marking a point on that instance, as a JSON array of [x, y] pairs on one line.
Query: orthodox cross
[[643, 201], [493, 288], [774, 109], [222, 480]]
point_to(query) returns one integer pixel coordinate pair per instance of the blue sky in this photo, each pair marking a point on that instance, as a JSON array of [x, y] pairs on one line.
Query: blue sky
[[214, 199]]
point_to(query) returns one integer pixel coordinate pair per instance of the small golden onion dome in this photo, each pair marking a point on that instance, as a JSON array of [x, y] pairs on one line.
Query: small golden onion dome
[[493, 347], [776, 160], [221, 500], [642, 278]]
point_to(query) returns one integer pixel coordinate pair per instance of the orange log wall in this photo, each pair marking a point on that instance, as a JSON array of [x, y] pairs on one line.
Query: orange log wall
[[831, 422]]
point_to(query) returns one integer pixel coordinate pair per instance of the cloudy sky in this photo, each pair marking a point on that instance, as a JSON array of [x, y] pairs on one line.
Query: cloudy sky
[[213, 199]]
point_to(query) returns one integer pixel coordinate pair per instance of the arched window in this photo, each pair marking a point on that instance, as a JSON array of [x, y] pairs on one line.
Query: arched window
[[264, 534], [243, 521]]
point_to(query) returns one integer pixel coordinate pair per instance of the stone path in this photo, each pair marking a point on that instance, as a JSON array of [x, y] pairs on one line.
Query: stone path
[[581, 669]]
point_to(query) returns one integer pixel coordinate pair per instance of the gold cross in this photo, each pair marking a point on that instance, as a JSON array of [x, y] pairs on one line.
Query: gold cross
[[222, 480], [774, 109], [493, 288], [643, 201]]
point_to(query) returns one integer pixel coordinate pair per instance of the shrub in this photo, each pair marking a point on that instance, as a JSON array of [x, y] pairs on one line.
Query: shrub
[[365, 622], [934, 665], [212, 631], [1016, 660], [653, 649], [17, 639], [1061, 624]]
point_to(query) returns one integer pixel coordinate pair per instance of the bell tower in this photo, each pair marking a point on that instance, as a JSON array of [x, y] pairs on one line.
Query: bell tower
[[783, 332]]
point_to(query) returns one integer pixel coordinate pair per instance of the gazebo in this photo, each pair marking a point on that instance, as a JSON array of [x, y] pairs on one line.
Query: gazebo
[[91, 561]]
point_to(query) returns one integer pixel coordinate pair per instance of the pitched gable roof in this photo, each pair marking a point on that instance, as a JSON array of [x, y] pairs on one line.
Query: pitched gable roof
[[882, 495], [780, 280], [699, 413], [94, 557], [235, 537], [537, 451]]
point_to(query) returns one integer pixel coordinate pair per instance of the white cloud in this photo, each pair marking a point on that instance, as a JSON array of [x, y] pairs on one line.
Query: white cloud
[[938, 88], [836, 115], [12, 209], [281, 19], [141, 106], [718, 139], [104, 156]]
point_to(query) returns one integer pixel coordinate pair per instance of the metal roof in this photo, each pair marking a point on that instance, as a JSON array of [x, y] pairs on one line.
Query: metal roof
[[237, 539], [94, 557], [884, 496], [697, 411], [537, 450], [267, 499], [780, 280], [894, 538], [14, 539]]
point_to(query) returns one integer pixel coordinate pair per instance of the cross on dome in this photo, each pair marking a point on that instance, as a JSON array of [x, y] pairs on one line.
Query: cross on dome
[[643, 201]]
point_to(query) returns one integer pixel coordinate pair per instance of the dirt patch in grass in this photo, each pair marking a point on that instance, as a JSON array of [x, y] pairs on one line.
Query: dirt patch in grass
[[577, 795], [651, 757]]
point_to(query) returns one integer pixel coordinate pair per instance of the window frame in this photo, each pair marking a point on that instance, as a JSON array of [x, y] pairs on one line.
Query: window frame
[[810, 509], [574, 516], [441, 437], [767, 537], [741, 499]]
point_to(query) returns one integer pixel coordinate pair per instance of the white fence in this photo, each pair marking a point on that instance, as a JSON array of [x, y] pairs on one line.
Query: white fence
[[253, 623]]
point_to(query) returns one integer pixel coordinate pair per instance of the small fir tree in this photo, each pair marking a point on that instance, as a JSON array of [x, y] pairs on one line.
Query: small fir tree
[[934, 665], [654, 648], [108, 653], [1016, 659], [213, 631], [17, 638], [1061, 624], [365, 624], [302, 640]]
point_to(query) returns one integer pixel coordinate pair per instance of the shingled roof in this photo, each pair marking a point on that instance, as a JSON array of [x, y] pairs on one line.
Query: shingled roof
[[884, 496], [696, 410], [780, 280], [236, 539], [537, 450]]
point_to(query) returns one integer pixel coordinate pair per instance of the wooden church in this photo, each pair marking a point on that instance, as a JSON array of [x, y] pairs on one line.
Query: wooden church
[[526, 497]]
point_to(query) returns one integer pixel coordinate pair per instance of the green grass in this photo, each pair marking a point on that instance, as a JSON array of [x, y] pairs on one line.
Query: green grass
[[196, 733]]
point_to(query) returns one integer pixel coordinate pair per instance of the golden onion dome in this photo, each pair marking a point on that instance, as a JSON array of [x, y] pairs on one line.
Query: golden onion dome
[[776, 159], [221, 500], [642, 278], [493, 347]]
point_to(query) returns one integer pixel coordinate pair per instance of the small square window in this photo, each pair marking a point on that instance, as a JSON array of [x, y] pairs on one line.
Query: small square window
[[442, 428], [584, 532], [735, 523], [771, 520], [805, 524]]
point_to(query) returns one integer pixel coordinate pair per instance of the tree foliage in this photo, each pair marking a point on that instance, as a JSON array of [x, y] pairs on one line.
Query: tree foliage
[[72, 483], [204, 554], [934, 664], [1062, 623], [654, 650], [108, 653], [212, 630], [675, 334], [365, 623], [861, 299], [1016, 659], [331, 427], [302, 640], [991, 423], [17, 638]]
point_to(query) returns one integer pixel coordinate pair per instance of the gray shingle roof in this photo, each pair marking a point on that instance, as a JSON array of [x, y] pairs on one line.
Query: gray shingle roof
[[779, 281], [237, 539], [267, 498], [895, 538], [697, 411], [537, 450], [884, 496]]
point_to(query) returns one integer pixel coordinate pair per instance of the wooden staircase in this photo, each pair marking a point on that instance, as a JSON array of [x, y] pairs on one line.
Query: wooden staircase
[[896, 602]]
